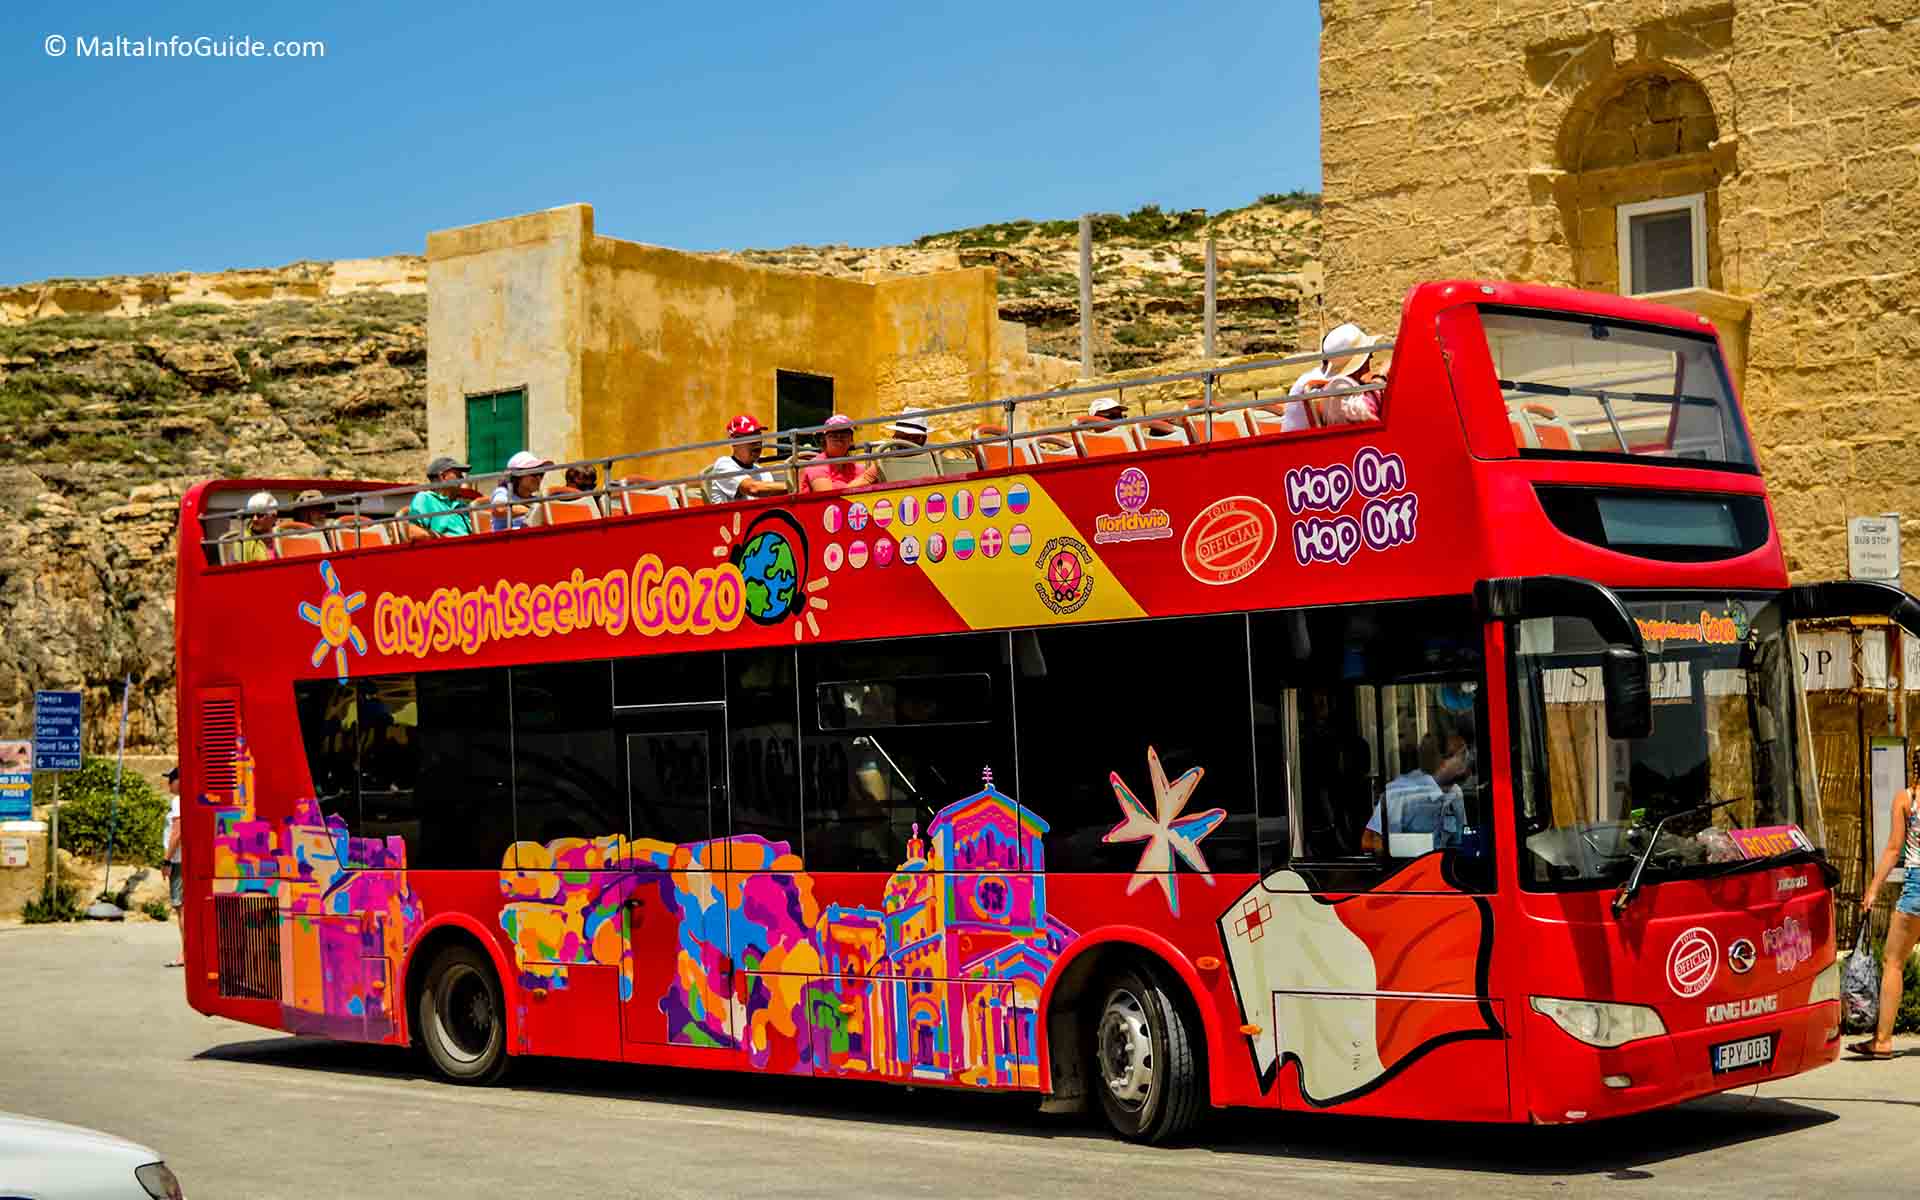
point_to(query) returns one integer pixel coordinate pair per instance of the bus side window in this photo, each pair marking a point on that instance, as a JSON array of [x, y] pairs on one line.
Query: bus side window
[[464, 788], [389, 727], [894, 732], [567, 781], [763, 746], [328, 723], [1094, 701]]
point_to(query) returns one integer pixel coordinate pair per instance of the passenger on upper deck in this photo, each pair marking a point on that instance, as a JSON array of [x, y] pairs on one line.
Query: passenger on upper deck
[[909, 426], [514, 497], [310, 508], [1342, 365], [733, 475], [438, 510], [1109, 409], [257, 543], [583, 478], [832, 472]]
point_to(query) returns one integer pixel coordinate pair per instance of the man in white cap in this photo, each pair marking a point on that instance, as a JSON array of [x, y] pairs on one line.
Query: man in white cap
[[1107, 409], [257, 543], [515, 495], [1344, 363], [909, 426]]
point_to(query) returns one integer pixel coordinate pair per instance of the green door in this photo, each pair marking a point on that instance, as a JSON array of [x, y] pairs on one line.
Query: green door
[[496, 429]]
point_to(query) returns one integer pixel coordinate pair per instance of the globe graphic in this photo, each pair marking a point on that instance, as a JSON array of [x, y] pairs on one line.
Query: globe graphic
[[767, 564]]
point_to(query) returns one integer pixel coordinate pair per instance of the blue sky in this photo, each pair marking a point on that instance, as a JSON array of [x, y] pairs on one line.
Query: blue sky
[[702, 126]]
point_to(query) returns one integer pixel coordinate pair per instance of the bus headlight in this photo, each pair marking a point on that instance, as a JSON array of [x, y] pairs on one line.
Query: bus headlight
[[1600, 1024], [1826, 985]]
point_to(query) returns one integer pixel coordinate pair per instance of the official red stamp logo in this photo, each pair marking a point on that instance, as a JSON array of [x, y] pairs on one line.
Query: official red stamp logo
[[1228, 540]]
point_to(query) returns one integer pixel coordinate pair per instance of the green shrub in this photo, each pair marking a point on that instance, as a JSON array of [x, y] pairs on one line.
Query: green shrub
[[86, 801], [157, 909], [53, 904]]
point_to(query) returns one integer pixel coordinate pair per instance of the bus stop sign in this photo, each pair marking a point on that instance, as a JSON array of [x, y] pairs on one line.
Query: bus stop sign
[[56, 731]]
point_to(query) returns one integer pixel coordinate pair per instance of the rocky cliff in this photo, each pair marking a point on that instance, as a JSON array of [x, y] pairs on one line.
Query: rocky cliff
[[118, 394]]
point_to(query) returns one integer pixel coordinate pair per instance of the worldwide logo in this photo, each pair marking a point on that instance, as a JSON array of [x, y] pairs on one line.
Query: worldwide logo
[[1135, 522]]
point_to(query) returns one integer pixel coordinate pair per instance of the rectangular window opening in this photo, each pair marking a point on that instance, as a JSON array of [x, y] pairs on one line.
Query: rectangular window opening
[[1663, 245]]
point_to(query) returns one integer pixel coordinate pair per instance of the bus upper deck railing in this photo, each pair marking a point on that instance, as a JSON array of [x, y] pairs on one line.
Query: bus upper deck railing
[[370, 508]]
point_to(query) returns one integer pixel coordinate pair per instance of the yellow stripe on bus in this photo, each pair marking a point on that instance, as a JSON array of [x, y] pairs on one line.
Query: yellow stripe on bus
[[1012, 586]]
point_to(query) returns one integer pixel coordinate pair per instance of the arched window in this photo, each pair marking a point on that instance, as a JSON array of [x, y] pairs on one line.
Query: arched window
[[1640, 154]]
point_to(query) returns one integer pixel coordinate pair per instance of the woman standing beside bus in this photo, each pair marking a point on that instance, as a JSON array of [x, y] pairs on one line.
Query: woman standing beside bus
[[1903, 847]]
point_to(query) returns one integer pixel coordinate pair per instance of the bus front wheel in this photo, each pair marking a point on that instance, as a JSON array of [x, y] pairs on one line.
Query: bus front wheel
[[462, 1017], [1143, 1061]]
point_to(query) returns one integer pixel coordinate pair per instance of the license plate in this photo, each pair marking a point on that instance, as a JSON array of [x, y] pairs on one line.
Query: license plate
[[1748, 1052]]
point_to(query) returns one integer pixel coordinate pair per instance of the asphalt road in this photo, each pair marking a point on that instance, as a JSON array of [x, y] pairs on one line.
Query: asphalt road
[[96, 1033]]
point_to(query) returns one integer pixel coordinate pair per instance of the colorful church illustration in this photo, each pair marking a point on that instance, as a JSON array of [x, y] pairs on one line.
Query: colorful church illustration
[[943, 981]]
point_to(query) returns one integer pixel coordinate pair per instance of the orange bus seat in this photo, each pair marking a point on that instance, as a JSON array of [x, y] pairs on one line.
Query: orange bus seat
[[300, 539], [353, 533], [642, 497], [1225, 426], [567, 509], [992, 456], [1096, 442]]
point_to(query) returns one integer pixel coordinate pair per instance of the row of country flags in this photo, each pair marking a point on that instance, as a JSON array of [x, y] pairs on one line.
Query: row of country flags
[[910, 549], [933, 508]]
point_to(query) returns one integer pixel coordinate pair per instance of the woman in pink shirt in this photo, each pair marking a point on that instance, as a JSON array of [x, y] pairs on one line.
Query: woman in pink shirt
[[832, 472]]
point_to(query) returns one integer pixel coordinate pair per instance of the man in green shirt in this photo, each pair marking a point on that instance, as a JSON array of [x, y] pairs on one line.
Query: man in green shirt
[[440, 511]]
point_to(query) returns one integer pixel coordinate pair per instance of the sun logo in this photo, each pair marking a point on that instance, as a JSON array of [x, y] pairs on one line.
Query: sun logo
[[772, 558], [333, 616]]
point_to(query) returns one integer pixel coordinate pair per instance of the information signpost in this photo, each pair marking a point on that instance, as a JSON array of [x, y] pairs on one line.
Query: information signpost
[[56, 748]]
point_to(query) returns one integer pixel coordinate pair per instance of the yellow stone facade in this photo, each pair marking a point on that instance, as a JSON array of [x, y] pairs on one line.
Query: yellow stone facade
[[624, 347], [1497, 138]]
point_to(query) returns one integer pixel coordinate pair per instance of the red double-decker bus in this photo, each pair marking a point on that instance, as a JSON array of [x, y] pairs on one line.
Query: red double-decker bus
[[1447, 764]]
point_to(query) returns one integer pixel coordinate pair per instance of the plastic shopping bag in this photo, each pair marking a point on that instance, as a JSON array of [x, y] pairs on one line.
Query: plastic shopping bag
[[1860, 986]]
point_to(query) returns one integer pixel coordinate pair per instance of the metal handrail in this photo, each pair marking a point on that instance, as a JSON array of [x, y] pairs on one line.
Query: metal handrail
[[1010, 406]]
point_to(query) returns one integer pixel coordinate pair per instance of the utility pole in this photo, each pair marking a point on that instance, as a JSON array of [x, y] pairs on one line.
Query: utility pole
[[1086, 295], [1210, 323]]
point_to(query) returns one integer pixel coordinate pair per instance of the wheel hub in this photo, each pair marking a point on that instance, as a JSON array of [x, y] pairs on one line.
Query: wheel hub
[[1126, 1050]]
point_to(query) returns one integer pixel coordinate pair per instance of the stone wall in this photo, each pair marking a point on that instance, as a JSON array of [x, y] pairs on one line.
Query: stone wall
[[1493, 139]]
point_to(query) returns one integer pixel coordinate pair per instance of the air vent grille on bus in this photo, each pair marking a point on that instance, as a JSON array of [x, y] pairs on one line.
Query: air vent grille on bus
[[219, 745], [249, 936]]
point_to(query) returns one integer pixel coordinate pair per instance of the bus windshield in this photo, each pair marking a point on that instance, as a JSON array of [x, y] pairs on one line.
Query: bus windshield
[[1584, 385], [1722, 764]]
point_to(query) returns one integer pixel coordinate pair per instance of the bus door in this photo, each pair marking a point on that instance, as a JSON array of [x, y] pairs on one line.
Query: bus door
[[674, 761]]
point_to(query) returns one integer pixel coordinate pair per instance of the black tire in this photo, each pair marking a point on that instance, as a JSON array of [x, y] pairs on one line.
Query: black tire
[[1141, 1060], [461, 1017]]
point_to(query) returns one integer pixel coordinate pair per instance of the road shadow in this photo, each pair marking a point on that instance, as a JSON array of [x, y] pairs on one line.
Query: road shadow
[[1623, 1149]]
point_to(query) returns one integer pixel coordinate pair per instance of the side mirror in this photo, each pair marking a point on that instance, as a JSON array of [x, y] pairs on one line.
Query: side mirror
[[1629, 694]]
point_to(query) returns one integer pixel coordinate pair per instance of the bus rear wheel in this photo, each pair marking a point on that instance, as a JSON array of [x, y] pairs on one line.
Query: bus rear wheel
[[462, 1017], [1142, 1061]]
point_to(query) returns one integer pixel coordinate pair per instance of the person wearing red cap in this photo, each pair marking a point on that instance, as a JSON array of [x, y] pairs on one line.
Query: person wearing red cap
[[831, 472], [733, 475]]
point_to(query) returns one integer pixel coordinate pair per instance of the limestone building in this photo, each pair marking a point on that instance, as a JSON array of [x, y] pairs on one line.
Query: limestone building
[[545, 335], [1754, 161]]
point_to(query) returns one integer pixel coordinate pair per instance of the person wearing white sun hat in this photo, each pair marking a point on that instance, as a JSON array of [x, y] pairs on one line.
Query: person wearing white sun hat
[[513, 498], [1345, 362]]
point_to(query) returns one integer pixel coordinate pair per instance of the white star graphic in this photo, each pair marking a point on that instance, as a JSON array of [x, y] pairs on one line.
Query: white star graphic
[[1165, 833]]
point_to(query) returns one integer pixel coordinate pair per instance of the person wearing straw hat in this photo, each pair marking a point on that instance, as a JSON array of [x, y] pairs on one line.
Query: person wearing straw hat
[[439, 509], [733, 476], [514, 497], [309, 507], [257, 520]]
